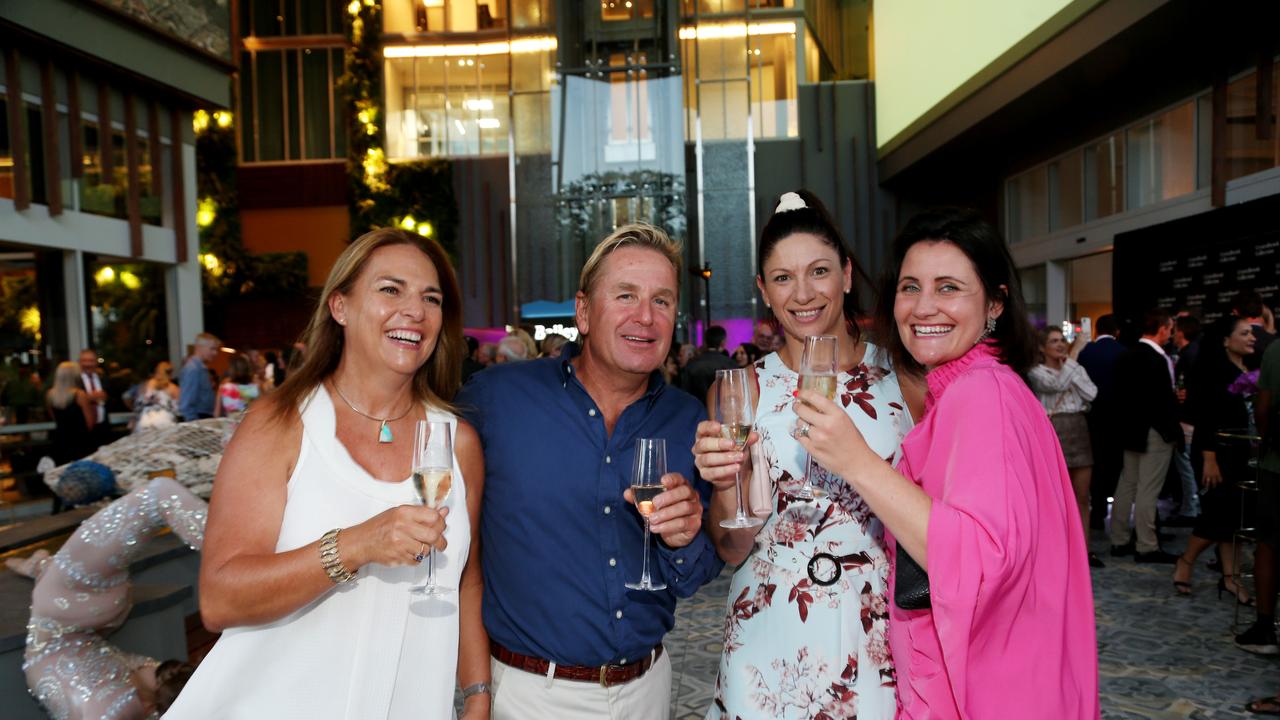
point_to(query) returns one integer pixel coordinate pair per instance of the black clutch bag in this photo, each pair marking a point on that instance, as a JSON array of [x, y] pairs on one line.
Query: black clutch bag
[[910, 584]]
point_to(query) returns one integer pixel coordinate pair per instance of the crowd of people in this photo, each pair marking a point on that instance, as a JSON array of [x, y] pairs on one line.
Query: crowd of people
[[938, 568]]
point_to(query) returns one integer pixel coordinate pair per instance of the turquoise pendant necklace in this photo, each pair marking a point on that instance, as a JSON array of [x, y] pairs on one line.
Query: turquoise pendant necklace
[[384, 432]]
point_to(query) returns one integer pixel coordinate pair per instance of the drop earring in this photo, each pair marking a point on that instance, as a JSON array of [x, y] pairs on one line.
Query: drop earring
[[986, 331]]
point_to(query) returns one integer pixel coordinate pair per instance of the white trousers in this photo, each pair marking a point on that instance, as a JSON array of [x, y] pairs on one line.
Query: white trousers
[[520, 695], [1139, 488]]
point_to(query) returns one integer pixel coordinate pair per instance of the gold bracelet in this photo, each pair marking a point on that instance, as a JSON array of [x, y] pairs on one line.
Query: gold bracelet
[[330, 561]]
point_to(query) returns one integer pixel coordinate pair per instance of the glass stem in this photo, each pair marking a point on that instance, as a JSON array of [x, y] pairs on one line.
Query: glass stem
[[737, 484], [644, 574], [808, 466], [431, 568]]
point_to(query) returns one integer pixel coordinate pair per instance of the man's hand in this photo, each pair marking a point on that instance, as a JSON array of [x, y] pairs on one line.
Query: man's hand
[[677, 511]]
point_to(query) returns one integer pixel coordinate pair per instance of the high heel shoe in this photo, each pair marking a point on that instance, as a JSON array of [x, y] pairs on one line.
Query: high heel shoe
[[1179, 586], [1241, 596]]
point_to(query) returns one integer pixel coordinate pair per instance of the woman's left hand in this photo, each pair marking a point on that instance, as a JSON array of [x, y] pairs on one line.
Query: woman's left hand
[[828, 434]]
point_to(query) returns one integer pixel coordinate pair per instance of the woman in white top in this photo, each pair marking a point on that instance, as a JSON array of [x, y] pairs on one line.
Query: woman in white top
[[315, 535], [1065, 390], [807, 615]]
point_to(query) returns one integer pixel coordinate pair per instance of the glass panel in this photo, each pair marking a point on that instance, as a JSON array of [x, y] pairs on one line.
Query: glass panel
[[245, 117], [623, 10], [463, 16], [1204, 140], [127, 306], [292, 78], [338, 124], [6, 151], [95, 196], [1028, 198], [35, 154], [314, 17], [491, 14], [148, 201], [773, 86], [1246, 152], [1090, 278], [1035, 293], [451, 106], [532, 13], [1066, 191], [318, 122], [1161, 157], [271, 111], [1104, 178], [266, 18]]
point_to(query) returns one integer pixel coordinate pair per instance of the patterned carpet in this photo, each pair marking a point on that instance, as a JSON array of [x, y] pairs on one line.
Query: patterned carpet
[[1160, 656]]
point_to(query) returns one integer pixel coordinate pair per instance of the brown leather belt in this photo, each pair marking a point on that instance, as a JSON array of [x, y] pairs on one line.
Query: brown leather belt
[[606, 675]]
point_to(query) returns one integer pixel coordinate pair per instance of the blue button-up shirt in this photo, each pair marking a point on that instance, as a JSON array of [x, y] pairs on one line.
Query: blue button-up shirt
[[195, 397], [559, 539]]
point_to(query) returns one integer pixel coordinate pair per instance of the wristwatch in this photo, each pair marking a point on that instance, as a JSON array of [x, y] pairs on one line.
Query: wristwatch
[[476, 689]]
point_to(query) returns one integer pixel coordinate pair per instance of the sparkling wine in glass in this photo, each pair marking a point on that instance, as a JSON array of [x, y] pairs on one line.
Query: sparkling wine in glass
[[646, 484], [818, 367], [432, 481], [734, 412]]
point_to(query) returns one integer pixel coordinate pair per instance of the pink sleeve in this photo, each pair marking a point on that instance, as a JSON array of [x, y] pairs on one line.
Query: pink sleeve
[[974, 472]]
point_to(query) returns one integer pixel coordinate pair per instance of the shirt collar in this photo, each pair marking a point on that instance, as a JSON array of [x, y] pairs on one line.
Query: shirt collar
[[981, 354], [572, 350], [1153, 344]]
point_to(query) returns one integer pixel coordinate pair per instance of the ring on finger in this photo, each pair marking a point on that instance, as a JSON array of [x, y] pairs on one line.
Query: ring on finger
[[804, 430], [422, 553]]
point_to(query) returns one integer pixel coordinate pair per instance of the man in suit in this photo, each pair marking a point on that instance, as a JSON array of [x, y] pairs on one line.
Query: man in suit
[[1099, 360], [1149, 431], [94, 385]]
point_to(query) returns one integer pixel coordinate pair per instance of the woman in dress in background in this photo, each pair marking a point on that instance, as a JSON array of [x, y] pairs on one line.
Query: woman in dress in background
[[806, 618], [73, 415], [315, 531], [238, 388], [981, 499], [1065, 390], [82, 595], [1220, 463], [157, 402]]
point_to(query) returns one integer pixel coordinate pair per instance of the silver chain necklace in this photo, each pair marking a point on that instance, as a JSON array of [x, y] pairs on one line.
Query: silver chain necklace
[[384, 432]]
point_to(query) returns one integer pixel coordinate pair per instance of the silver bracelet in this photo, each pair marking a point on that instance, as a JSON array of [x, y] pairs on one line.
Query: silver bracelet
[[480, 688]]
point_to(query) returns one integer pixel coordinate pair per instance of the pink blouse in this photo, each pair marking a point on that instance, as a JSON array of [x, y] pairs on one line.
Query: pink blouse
[[1011, 629]]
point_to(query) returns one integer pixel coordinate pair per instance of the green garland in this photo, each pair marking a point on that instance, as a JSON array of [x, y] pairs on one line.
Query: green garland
[[415, 195]]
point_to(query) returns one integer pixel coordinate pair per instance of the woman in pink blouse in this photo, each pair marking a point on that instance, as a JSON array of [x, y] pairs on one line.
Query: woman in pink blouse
[[981, 498]]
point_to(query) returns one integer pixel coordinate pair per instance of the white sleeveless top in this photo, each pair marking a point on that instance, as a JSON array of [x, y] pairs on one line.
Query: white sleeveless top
[[365, 649]]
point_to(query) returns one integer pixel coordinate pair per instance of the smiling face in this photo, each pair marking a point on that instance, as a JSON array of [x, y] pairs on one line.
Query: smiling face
[[940, 307], [392, 315], [629, 314], [1055, 346], [1241, 339], [804, 284]]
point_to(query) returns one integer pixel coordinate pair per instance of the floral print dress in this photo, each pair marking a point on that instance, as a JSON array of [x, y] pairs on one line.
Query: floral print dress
[[805, 631]]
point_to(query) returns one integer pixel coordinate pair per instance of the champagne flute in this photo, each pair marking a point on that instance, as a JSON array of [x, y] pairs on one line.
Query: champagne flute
[[818, 367], [734, 412], [646, 484], [432, 481]]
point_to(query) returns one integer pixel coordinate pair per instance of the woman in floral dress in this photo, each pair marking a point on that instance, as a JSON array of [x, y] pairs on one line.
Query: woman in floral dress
[[805, 633]]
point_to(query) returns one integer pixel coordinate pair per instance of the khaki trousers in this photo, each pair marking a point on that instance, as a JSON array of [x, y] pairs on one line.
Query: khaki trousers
[[1138, 489], [520, 695]]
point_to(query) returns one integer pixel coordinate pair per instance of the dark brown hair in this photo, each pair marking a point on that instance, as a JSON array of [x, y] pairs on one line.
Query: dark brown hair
[[171, 677], [813, 219], [982, 244], [239, 370], [435, 383]]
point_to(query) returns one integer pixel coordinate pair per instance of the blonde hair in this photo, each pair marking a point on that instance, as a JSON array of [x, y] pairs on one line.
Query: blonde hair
[[64, 387], [435, 383], [641, 235]]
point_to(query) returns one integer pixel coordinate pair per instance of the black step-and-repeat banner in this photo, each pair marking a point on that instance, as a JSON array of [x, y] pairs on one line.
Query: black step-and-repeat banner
[[1199, 263]]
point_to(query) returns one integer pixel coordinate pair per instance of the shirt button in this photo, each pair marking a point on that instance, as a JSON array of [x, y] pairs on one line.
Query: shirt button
[[592, 412], [607, 510], [613, 562], [679, 561], [622, 661], [619, 616], [607, 460]]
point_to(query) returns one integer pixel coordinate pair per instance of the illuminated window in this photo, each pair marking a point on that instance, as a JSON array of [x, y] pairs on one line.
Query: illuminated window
[[735, 72], [625, 10], [1162, 156], [434, 16], [447, 106], [1246, 152]]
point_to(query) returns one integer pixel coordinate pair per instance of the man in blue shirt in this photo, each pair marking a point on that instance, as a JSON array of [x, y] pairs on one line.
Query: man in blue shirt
[[560, 535], [195, 398]]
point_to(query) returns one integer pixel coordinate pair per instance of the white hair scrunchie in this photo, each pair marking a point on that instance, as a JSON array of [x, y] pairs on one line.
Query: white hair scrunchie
[[789, 201]]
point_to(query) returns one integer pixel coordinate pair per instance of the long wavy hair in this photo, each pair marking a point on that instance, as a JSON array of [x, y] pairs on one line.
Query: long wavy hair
[[435, 383]]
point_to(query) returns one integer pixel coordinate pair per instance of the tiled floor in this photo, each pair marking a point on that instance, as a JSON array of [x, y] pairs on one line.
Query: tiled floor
[[1160, 656]]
